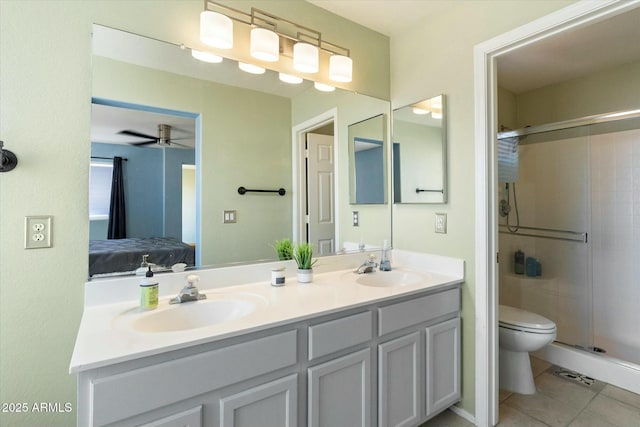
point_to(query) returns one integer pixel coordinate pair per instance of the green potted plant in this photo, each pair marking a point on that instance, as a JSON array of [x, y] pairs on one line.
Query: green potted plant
[[284, 248], [302, 254]]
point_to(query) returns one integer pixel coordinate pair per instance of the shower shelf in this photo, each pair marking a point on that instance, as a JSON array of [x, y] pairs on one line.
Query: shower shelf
[[545, 233]]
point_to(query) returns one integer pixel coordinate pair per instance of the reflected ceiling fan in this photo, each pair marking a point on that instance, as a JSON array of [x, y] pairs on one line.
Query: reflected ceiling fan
[[163, 138]]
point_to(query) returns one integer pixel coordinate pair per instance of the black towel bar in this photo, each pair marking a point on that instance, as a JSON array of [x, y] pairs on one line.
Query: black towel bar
[[280, 191]]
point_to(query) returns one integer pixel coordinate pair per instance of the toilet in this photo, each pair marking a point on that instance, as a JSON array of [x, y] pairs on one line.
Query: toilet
[[521, 332]]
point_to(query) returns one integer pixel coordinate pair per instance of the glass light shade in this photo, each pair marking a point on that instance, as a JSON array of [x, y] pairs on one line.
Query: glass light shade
[[340, 68], [250, 68], [206, 56], [288, 78], [323, 87], [216, 30], [420, 111], [265, 45], [305, 58]]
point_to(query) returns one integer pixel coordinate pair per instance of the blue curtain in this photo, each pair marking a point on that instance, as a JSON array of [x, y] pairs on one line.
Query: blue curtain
[[117, 217]]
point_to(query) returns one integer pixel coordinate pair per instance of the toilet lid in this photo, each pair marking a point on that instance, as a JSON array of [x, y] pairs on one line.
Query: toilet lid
[[518, 318]]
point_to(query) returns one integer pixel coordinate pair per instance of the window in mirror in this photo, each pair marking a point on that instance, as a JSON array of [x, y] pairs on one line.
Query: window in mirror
[[100, 173], [419, 152], [367, 161]]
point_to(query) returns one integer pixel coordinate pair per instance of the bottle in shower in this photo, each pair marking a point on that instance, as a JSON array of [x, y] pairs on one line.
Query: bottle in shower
[[518, 262]]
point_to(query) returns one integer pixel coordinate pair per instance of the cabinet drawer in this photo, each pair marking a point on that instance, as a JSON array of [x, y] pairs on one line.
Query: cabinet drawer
[[404, 314], [339, 334], [121, 396]]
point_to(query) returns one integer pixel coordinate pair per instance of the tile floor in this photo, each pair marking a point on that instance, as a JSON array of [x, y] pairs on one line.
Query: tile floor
[[559, 402]]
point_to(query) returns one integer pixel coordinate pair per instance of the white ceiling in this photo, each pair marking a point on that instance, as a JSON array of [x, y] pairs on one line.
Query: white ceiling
[[569, 55], [107, 122], [572, 54]]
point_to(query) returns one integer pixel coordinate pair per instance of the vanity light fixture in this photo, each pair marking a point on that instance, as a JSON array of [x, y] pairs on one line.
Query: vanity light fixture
[[306, 58], [269, 33], [206, 56], [251, 68], [216, 30], [323, 87], [265, 45], [288, 78], [340, 68], [420, 111]]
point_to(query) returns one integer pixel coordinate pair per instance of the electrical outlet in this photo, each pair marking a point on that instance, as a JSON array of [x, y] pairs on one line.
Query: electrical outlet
[[356, 219], [37, 232], [441, 223]]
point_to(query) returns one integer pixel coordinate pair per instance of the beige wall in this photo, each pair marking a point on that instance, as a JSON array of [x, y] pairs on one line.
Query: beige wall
[[45, 87], [442, 62]]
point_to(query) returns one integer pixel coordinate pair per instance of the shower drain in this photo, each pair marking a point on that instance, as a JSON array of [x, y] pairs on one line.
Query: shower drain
[[575, 377]]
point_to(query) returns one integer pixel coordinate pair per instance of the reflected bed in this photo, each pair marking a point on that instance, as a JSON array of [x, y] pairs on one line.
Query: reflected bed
[[118, 255]]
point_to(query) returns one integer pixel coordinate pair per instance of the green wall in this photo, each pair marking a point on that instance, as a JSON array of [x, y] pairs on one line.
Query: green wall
[[351, 108], [45, 82], [607, 91], [443, 63]]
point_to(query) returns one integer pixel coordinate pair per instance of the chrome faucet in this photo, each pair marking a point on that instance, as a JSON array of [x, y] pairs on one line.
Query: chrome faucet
[[369, 266], [189, 292]]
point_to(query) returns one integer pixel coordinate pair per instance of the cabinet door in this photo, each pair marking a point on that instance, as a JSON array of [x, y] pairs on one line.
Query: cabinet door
[[268, 405], [398, 389], [442, 365], [190, 418], [339, 393]]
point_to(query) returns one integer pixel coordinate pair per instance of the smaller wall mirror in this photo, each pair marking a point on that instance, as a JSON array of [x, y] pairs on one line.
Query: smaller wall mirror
[[420, 152], [367, 161]]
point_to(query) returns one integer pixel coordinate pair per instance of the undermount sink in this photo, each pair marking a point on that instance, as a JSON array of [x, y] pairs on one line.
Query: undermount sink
[[390, 278], [191, 315]]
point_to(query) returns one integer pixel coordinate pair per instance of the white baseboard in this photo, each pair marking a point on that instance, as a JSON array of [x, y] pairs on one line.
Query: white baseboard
[[464, 414]]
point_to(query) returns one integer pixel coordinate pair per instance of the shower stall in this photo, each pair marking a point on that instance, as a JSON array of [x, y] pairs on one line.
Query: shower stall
[[569, 204]]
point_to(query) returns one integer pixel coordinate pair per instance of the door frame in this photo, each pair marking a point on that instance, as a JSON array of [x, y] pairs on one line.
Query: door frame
[[299, 192], [576, 15]]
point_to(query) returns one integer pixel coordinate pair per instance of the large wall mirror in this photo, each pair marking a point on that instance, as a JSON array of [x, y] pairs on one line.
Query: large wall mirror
[[420, 152], [367, 160], [190, 134]]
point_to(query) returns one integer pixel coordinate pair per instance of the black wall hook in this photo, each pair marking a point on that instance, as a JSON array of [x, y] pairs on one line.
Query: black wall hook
[[8, 160]]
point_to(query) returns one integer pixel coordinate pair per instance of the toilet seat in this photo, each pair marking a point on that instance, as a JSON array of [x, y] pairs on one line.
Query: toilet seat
[[525, 321]]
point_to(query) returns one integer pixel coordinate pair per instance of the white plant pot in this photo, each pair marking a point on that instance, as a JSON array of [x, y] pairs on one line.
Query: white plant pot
[[305, 276]]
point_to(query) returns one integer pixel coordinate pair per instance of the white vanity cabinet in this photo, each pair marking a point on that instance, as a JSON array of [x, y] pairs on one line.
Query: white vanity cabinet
[[419, 369], [339, 389], [273, 404], [225, 379], [393, 362], [442, 365]]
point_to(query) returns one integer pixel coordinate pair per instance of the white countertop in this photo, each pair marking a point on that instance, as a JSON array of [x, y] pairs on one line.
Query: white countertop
[[105, 338]]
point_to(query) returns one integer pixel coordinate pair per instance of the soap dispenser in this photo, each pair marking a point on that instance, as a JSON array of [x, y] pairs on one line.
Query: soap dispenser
[[142, 270], [385, 263], [148, 291]]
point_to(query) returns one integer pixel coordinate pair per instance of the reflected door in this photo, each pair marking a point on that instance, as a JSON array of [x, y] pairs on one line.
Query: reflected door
[[321, 226]]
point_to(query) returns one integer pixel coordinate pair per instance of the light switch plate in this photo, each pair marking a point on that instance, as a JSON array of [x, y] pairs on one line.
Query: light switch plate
[[37, 232], [441, 223], [229, 217]]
